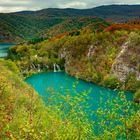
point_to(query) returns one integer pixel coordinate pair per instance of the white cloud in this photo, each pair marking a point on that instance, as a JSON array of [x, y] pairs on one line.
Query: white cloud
[[12, 9], [73, 5], [13, 2], [17, 5]]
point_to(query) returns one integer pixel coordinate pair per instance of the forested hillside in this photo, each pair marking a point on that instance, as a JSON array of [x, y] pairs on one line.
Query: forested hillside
[[16, 29], [33, 25]]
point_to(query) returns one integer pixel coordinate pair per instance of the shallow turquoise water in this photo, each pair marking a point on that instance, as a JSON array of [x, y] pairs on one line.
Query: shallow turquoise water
[[4, 49], [61, 82]]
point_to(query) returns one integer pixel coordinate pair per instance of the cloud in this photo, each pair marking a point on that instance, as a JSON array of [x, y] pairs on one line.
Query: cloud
[[17, 5], [73, 5], [15, 2], [12, 9]]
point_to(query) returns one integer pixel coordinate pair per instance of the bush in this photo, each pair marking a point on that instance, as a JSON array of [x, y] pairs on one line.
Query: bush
[[11, 66], [137, 96], [132, 83], [112, 82]]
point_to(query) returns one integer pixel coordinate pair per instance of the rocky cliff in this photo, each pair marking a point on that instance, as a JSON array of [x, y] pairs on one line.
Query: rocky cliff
[[128, 59]]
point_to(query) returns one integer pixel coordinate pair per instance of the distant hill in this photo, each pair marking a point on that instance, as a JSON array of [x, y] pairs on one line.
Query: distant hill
[[125, 12], [27, 25], [15, 29]]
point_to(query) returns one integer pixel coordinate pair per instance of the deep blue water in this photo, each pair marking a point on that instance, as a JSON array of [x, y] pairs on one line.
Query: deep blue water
[[4, 49], [61, 82]]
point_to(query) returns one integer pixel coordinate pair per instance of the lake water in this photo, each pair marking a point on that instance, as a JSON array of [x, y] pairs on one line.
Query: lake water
[[4, 49], [60, 81], [64, 84]]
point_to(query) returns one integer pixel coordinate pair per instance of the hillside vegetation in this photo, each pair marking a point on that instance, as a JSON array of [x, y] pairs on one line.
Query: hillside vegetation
[[24, 116], [39, 25], [17, 28]]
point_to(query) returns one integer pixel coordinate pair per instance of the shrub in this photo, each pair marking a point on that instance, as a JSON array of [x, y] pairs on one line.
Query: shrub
[[137, 95], [112, 82], [132, 83]]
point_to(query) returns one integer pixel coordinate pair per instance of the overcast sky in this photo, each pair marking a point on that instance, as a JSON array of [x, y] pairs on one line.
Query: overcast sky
[[19, 5]]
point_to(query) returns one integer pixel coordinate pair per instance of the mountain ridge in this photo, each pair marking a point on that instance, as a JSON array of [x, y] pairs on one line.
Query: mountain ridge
[[101, 11], [114, 5]]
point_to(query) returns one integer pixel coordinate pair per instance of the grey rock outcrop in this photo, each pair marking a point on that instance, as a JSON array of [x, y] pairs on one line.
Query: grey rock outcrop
[[122, 66]]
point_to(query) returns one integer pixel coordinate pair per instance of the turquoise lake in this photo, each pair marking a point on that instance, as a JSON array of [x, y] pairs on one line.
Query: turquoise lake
[[4, 49], [60, 82], [64, 84]]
